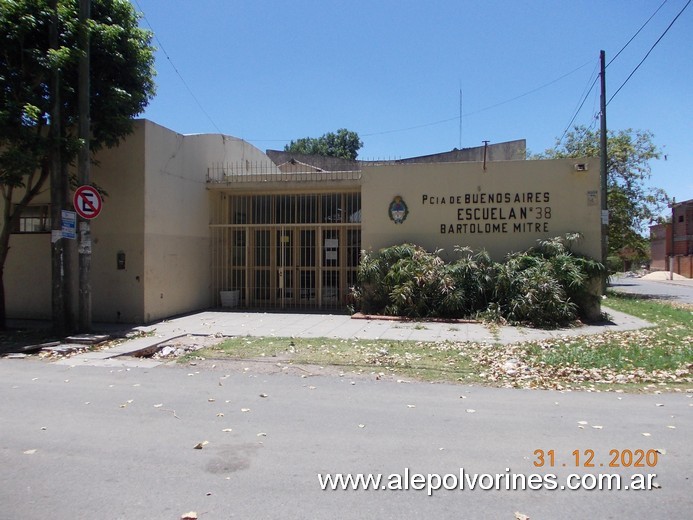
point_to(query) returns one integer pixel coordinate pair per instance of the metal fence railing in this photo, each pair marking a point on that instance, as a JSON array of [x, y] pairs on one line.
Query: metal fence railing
[[246, 172]]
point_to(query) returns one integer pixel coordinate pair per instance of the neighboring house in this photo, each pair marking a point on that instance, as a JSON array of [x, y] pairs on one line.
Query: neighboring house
[[660, 246], [194, 221], [672, 243]]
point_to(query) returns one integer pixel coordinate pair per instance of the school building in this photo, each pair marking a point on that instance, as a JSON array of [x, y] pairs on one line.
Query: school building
[[199, 221]]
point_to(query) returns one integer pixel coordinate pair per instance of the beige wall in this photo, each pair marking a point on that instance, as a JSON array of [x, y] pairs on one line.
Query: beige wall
[[177, 217], [27, 274], [156, 212], [117, 294], [451, 204], [119, 227], [28, 277]]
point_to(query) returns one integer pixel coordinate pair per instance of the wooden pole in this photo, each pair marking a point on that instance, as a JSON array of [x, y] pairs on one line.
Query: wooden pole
[[603, 165], [84, 168]]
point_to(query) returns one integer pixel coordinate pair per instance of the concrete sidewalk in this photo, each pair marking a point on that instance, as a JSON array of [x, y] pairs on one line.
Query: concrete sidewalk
[[328, 326]]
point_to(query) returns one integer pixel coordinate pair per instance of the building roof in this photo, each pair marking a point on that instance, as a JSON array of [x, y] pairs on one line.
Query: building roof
[[506, 151], [289, 161]]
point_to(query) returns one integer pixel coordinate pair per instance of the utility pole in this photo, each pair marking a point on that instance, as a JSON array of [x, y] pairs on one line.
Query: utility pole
[[603, 164], [84, 168], [58, 261]]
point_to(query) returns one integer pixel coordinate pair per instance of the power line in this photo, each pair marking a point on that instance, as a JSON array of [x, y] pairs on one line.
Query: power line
[[586, 94], [489, 107], [529, 92], [185, 83], [638, 32], [447, 120], [584, 98], [648, 52], [424, 125]]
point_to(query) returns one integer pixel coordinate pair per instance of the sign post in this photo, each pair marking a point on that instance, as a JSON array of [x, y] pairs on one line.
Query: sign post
[[88, 203]]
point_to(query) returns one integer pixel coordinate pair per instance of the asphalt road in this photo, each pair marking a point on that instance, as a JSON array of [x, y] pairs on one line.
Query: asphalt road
[[90, 442], [677, 290]]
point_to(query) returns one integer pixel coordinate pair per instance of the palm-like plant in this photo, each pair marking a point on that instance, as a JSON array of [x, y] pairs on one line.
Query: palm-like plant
[[544, 286]]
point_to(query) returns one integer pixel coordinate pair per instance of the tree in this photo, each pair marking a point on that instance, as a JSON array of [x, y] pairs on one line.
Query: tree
[[344, 144], [633, 205], [38, 79]]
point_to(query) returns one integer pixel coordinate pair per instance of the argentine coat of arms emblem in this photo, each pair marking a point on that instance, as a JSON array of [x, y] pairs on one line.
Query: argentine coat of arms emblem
[[398, 210]]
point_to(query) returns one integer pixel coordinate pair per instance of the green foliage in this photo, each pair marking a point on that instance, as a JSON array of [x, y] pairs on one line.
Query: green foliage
[[531, 294], [469, 282], [121, 78], [344, 144], [633, 205], [614, 264], [666, 346], [544, 286]]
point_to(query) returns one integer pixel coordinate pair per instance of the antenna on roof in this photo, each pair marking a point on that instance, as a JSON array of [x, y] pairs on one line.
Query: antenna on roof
[[460, 117]]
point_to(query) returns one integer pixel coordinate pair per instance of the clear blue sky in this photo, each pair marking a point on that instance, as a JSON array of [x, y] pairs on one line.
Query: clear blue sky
[[269, 71]]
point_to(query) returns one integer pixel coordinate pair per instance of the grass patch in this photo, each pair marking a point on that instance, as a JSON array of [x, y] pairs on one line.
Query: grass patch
[[661, 355], [619, 354], [422, 360], [655, 358], [668, 345]]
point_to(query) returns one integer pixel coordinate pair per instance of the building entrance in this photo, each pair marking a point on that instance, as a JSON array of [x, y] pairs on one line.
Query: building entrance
[[307, 260]]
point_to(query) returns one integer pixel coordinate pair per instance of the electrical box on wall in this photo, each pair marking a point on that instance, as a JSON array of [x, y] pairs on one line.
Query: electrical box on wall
[[120, 260]]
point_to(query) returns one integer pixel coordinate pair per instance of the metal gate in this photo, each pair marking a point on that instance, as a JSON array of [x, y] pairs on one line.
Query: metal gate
[[284, 251]]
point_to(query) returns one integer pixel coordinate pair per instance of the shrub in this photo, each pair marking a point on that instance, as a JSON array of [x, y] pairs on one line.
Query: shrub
[[404, 280], [468, 284], [529, 291], [545, 286], [614, 264]]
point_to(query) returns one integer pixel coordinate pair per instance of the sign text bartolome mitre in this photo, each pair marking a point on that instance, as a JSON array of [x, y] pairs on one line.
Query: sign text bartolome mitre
[[488, 213]]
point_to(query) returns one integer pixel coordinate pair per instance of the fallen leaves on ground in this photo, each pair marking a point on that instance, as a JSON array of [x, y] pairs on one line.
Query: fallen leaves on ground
[[518, 365]]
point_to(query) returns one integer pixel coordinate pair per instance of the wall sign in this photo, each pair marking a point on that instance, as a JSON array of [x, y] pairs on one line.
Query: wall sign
[[484, 213]]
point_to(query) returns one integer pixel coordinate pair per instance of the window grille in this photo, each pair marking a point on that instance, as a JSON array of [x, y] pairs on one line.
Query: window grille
[[34, 219]]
